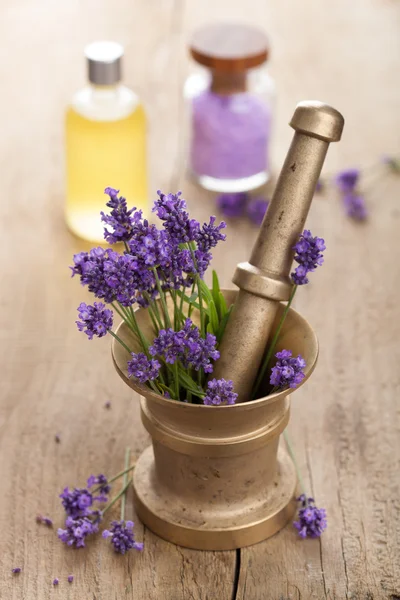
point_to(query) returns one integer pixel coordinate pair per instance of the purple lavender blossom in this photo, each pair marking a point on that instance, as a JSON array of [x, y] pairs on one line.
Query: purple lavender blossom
[[122, 220], [256, 209], [77, 530], [347, 180], [232, 205], [112, 276], [187, 346], [103, 487], [392, 162], [220, 391], [16, 570], [44, 520], [142, 368], [312, 520], [355, 207], [76, 502], [56, 581], [122, 538], [70, 578], [95, 320], [288, 371], [309, 255], [210, 234], [171, 209]]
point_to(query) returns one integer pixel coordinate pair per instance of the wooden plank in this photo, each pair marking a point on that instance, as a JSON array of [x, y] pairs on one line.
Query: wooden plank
[[53, 380]]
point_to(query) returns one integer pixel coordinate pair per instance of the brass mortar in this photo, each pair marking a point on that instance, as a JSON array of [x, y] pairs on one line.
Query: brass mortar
[[215, 477]]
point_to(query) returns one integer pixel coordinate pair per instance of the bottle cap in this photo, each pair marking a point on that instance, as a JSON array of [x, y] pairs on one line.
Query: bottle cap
[[104, 62], [229, 47]]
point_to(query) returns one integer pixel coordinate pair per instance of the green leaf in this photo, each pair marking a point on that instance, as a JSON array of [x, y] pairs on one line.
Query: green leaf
[[210, 329], [216, 293], [214, 321], [189, 300], [223, 323], [205, 292], [223, 306]]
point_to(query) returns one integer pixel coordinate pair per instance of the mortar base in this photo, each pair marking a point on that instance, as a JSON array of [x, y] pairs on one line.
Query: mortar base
[[214, 528]]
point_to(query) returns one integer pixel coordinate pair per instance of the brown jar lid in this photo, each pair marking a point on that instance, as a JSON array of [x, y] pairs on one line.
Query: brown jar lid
[[229, 47]]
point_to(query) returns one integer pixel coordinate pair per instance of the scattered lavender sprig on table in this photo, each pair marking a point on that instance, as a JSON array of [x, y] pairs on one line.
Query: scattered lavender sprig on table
[[312, 520], [84, 519]]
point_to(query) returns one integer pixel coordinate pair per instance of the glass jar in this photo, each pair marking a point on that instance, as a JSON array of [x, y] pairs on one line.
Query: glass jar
[[230, 97]]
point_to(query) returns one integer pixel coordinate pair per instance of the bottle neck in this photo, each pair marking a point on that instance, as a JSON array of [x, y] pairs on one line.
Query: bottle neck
[[228, 83]]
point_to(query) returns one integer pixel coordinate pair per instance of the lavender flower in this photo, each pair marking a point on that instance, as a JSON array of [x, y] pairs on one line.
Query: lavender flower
[[122, 538], [209, 235], [102, 483], [143, 368], [44, 520], [312, 520], [77, 502], [95, 320], [16, 570], [56, 581], [70, 578], [355, 207], [256, 209], [232, 205], [220, 391], [309, 255], [171, 209], [288, 371], [187, 346], [392, 162], [122, 220], [347, 179], [77, 530]]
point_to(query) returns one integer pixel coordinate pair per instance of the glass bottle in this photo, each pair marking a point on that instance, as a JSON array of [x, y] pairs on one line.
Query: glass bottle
[[231, 102], [105, 143]]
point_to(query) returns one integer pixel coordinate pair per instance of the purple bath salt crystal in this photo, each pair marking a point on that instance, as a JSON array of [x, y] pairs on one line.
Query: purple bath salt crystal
[[230, 135]]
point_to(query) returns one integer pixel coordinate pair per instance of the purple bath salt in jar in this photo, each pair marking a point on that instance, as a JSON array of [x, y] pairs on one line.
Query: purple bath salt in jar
[[230, 97]]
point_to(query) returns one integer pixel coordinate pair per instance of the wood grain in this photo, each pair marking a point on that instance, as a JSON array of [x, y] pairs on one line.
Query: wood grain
[[345, 422]]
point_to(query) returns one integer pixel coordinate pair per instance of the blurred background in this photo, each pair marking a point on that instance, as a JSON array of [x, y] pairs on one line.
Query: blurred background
[[345, 54]]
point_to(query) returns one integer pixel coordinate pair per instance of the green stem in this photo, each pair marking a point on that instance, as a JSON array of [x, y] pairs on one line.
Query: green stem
[[153, 320], [120, 341], [271, 349], [143, 341], [124, 482], [191, 305], [176, 380], [162, 298], [156, 311], [181, 306], [293, 457], [117, 497], [118, 475]]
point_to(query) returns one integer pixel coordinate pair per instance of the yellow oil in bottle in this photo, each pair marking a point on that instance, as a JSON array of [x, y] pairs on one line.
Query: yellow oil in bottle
[[105, 143], [101, 154]]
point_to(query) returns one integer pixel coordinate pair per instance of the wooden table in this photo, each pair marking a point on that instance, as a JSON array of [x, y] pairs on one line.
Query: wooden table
[[345, 421]]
